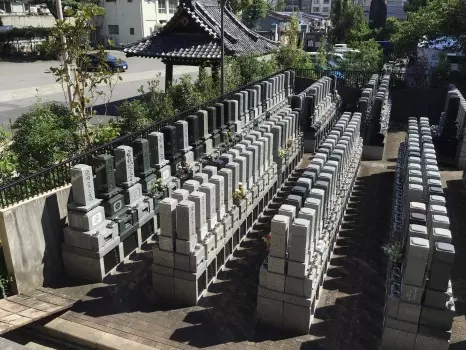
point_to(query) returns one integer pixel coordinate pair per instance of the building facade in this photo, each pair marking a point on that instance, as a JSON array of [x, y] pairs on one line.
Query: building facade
[[126, 21], [282, 19], [319, 7]]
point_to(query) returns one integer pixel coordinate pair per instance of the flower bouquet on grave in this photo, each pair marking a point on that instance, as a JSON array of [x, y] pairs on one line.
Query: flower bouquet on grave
[[229, 140], [158, 192], [289, 147], [207, 159], [184, 170], [266, 239], [283, 154], [159, 189], [239, 195], [394, 251]]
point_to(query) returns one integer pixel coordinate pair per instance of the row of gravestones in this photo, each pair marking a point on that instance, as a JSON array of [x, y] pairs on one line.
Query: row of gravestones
[[201, 225], [419, 307], [374, 105], [112, 215], [318, 106], [305, 230], [452, 125]]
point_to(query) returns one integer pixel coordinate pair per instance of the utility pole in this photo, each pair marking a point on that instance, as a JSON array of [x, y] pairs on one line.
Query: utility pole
[[65, 55], [222, 44]]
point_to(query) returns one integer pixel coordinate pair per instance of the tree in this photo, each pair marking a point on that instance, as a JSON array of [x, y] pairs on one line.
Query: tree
[[238, 6], [414, 5], [442, 71], [280, 6], [290, 55], [69, 4], [437, 18], [87, 86], [368, 59], [386, 32], [254, 12], [349, 24], [378, 14]]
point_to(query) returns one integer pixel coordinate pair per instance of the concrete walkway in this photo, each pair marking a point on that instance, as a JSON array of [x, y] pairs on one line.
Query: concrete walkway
[[25, 308], [350, 311]]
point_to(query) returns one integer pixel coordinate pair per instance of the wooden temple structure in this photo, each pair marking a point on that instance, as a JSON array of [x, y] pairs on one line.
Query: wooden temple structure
[[193, 37]]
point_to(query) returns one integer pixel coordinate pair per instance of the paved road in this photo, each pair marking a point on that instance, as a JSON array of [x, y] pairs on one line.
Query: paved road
[[23, 84]]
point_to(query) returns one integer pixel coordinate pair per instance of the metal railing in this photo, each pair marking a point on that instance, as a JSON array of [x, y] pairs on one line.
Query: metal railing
[[356, 79], [58, 175]]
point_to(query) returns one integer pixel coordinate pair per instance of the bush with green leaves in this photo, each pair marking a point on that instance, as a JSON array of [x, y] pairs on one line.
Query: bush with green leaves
[[45, 135], [105, 133], [159, 103], [134, 115], [368, 59], [186, 93]]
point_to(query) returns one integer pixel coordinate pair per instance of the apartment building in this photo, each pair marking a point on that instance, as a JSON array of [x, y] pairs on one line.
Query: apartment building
[[127, 21], [321, 7], [318, 7]]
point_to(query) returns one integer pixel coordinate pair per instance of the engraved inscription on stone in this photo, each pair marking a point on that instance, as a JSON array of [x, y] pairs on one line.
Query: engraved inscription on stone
[[97, 219], [117, 206]]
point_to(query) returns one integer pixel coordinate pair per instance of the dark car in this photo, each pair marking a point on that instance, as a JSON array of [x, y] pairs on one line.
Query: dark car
[[92, 62]]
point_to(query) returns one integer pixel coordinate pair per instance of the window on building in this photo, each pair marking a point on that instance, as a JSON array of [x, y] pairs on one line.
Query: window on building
[[113, 29], [325, 9], [172, 5], [131, 31], [130, 0], [326, 2], [110, 0], [161, 6], [316, 2], [315, 9]]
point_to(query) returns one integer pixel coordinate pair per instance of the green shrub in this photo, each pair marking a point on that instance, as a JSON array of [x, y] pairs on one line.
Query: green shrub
[[45, 135], [46, 50], [134, 115]]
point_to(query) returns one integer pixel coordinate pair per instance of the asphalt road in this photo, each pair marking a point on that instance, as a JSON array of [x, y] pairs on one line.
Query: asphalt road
[[22, 84]]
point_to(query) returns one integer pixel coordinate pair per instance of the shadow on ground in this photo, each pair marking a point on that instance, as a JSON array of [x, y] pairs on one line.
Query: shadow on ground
[[350, 315]]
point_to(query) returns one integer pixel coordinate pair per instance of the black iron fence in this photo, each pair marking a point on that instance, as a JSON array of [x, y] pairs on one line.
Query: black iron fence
[[57, 175], [355, 79]]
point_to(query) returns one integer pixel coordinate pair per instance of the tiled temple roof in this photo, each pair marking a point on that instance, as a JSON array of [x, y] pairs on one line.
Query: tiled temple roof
[[193, 35]]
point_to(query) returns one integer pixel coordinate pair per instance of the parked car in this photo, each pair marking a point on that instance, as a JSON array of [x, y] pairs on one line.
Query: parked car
[[92, 62]]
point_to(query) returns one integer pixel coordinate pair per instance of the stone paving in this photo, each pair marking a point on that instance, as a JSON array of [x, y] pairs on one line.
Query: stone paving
[[22, 309], [350, 312]]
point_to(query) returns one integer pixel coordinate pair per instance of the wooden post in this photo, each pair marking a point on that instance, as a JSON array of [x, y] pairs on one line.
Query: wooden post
[[168, 75]]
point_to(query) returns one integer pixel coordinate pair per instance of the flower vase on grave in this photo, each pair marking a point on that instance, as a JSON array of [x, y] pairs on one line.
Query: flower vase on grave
[[158, 191], [184, 171]]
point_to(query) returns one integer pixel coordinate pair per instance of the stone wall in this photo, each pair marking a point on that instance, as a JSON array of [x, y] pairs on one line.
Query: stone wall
[[417, 102], [31, 235], [20, 21]]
